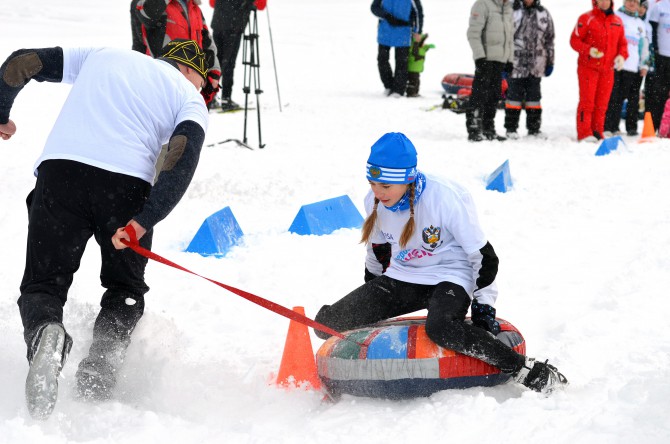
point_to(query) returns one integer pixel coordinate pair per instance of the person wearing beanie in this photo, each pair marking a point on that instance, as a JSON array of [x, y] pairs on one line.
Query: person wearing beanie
[[600, 42], [427, 250], [491, 38], [154, 23], [533, 59], [95, 178], [627, 82]]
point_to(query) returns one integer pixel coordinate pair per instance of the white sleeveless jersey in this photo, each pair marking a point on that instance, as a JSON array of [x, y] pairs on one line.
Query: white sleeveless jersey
[[122, 108], [445, 244]]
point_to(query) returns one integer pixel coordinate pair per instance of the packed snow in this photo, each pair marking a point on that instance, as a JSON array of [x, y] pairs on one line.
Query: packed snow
[[583, 242]]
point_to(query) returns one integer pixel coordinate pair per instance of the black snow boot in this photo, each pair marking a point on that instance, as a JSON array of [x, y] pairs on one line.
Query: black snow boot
[[473, 123], [540, 376]]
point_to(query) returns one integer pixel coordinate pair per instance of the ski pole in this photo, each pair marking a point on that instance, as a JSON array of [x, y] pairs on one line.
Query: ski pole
[[274, 64]]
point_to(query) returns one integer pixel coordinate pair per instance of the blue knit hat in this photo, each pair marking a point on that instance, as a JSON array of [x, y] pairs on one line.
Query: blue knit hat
[[392, 160]]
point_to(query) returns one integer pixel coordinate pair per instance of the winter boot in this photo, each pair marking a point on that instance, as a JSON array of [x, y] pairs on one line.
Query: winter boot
[[47, 356], [227, 104], [490, 134], [540, 376], [96, 375], [512, 116], [533, 120], [473, 123]]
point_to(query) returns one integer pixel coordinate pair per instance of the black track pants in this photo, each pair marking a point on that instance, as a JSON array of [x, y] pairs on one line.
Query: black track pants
[[447, 305], [70, 203]]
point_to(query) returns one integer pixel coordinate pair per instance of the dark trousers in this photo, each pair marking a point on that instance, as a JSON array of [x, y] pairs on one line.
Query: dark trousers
[[70, 203], [394, 81], [626, 87], [447, 305], [227, 46], [658, 90], [523, 93], [486, 89]]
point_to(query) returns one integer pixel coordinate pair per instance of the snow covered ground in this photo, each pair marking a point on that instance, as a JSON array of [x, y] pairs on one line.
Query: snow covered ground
[[583, 243]]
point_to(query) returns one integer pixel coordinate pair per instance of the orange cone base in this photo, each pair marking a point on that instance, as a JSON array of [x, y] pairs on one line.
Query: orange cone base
[[298, 366], [648, 131]]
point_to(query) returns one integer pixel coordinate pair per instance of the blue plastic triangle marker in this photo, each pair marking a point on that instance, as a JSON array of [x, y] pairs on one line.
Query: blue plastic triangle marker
[[500, 179], [326, 216], [217, 234], [608, 145]]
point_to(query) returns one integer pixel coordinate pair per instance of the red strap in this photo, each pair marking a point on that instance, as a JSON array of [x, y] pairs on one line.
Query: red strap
[[279, 309]]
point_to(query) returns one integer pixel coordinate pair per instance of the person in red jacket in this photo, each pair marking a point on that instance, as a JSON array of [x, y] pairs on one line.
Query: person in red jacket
[[600, 41], [155, 23]]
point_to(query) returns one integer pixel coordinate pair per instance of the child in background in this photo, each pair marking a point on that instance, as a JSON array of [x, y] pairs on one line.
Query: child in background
[[417, 55]]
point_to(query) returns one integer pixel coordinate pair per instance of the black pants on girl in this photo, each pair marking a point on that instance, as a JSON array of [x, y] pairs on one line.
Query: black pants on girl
[[70, 203], [396, 82], [626, 87], [447, 305]]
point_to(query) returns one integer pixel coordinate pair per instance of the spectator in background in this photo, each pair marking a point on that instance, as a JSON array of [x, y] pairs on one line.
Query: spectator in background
[[161, 21], [229, 19], [491, 37], [627, 82], [600, 41], [659, 19], [417, 57], [400, 22], [533, 59]]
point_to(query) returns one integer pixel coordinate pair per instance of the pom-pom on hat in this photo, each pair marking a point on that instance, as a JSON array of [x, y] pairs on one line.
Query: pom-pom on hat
[[392, 160], [186, 52]]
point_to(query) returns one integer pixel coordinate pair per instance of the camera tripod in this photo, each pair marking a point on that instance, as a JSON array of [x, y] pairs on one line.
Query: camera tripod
[[251, 62]]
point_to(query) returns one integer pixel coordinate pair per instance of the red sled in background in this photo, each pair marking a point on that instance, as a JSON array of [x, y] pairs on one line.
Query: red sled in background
[[458, 88]]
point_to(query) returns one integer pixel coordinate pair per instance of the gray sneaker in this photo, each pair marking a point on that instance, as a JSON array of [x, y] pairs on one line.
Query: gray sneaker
[[49, 352]]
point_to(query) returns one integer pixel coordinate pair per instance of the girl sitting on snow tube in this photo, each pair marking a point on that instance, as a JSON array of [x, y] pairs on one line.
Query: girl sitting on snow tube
[[426, 250]]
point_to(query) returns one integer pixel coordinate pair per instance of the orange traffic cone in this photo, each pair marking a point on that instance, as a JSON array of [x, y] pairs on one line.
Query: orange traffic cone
[[648, 131], [297, 363]]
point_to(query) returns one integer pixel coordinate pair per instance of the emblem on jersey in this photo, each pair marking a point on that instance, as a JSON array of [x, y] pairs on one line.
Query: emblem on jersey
[[431, 236]]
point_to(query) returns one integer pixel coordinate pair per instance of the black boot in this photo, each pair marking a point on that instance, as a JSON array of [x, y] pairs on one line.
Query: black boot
[[540, 376], [473, 123]]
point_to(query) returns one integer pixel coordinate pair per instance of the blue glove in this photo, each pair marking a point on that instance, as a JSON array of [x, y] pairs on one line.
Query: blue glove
[[548, 70], [484, 316]]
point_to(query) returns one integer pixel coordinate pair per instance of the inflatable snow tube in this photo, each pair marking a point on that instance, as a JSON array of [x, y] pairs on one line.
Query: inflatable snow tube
[[454, 82], [398, 361]]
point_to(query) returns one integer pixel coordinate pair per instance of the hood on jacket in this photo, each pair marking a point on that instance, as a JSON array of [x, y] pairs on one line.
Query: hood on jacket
[[518, 4], [607, 11]]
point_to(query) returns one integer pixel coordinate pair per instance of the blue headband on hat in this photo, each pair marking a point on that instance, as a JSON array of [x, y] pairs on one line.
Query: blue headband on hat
[[392, 160]]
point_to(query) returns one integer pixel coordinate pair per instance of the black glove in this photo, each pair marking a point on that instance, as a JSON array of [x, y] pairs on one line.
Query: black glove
[[383, 254], [208, 91], [484, 316], [508, 68], [393, 21]]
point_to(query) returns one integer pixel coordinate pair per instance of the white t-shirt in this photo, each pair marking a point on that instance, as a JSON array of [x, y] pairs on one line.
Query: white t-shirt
[[660, 13], [638, 47], [445, 244], [122, 108]]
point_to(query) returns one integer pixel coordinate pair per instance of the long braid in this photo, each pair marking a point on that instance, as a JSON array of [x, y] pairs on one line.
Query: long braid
[[369, 223], [408, 230]]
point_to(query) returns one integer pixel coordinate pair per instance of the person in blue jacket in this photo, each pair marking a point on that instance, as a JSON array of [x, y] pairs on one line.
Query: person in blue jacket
[[400, 21]]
